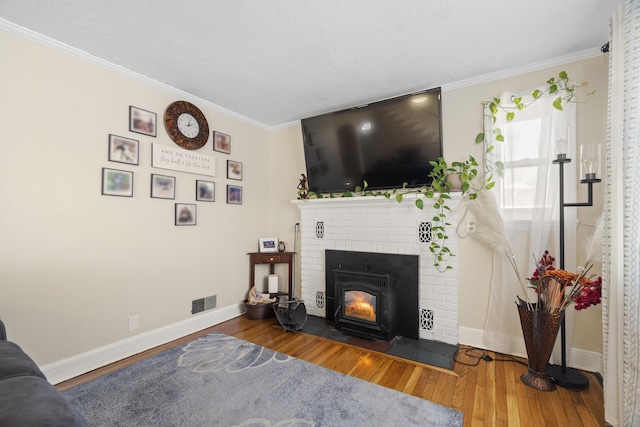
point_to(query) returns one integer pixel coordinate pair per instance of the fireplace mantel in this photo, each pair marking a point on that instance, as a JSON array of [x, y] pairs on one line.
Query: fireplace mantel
[[381, 225], [359, 201]]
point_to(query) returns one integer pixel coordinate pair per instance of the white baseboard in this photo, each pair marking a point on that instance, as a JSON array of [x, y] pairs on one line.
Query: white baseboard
[[576, 358], [77, 365]]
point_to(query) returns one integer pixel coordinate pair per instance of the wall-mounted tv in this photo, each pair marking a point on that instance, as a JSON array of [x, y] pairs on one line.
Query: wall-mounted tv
[[385, 143]]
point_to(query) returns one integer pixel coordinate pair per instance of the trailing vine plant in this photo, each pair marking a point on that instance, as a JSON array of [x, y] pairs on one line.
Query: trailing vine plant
[[560, 88], [471, 178]]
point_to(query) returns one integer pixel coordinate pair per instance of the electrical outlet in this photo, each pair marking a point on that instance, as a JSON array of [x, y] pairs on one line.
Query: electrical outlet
[[134, 322]]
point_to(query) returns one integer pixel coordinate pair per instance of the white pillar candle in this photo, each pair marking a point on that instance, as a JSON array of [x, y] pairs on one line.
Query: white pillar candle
[[273, 283]]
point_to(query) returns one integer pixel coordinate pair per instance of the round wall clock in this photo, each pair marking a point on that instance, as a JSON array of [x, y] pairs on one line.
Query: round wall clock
[[186, 125]]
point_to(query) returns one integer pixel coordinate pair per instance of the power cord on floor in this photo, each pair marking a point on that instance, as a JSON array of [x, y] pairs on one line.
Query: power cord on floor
[[468, 352], [478, 354]]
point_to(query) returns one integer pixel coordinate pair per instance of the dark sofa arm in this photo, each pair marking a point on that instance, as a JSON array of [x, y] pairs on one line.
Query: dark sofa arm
[[27, 399], [30, 401], [14, 362]]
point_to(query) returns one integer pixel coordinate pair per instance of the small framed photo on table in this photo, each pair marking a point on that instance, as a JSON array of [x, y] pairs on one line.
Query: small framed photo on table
[[268, 244]]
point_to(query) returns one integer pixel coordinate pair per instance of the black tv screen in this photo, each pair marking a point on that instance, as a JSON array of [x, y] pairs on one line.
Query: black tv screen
[[385, 143]]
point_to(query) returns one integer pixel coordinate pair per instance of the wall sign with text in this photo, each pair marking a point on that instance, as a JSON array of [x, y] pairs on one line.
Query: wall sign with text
[[165, 157]]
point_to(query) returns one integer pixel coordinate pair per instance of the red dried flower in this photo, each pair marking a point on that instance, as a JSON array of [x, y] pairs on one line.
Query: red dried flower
[[573, 287], [545, 263], [591, 294]]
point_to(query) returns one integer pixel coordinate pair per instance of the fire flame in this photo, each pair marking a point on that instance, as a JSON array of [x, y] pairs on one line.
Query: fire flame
[[360, 306]]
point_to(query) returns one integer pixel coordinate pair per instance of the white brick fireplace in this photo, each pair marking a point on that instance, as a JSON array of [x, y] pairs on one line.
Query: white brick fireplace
[[380, 225]]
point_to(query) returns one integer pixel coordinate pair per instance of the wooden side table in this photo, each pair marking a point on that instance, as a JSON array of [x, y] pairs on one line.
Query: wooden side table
[[271, 258]]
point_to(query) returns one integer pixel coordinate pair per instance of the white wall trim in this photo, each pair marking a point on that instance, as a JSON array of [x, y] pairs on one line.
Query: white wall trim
[[580, 359], [511, 72], [77, 365], [102, 63], [82, 363], [295, 123], [503, 74]]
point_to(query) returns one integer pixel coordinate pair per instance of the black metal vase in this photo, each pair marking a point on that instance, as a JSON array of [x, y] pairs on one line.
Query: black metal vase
[[540, 331]]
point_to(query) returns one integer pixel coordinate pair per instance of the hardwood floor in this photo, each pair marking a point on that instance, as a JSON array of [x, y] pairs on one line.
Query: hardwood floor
[[489, 393]]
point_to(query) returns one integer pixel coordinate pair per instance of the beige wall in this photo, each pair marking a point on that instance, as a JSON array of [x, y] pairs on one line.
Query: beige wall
[[462, 120], [74, 265], [287, 164]]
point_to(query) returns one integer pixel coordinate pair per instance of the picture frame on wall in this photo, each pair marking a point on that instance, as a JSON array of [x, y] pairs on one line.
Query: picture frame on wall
[[234, 170], [123, 150], [142, 121], [222, 142], [186, 214], [163, 186], [205, 191], [234, 194], [117, 182], [268, 244]]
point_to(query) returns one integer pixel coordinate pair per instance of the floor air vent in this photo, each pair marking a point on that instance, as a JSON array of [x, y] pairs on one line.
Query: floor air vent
[[201, 304]]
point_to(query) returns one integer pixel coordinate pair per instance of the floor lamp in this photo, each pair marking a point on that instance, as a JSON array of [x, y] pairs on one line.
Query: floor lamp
[[562, 375]]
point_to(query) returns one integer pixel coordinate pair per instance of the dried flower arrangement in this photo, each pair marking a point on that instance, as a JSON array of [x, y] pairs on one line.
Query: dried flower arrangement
[[557, 289]]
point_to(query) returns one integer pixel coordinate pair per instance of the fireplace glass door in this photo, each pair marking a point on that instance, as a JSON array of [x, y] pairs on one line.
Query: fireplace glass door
[[360, 305]]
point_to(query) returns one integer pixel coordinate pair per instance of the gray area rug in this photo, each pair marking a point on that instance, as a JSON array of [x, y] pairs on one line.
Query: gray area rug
[[219, 380]]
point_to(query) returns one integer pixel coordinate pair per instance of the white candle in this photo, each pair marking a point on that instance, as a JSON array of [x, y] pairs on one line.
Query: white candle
[[273, 283]]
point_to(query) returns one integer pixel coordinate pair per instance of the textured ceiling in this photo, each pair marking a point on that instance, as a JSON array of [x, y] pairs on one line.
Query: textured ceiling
[[277, 61]]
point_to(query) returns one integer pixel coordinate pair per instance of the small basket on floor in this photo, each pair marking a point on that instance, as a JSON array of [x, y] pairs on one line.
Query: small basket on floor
[[291, 314], [258, 311]]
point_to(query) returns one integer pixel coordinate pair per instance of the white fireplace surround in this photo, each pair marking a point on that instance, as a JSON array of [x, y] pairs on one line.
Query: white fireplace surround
[[377, 224]]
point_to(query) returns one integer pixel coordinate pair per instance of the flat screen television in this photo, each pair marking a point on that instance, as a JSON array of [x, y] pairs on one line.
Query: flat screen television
[[385, 143]]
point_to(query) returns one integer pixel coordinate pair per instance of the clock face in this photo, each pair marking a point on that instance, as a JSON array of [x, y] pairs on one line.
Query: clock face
[[186, 125]]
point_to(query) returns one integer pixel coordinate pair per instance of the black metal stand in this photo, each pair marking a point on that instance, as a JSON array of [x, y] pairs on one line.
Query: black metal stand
[[562, 375]]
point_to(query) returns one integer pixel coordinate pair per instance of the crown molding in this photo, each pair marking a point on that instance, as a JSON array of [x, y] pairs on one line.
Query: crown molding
[[511, 72], [286, 125], [516, 71], [43, 40]]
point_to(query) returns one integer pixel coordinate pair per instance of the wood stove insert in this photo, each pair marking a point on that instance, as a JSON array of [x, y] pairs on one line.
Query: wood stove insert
[[403, 268], [366, 304]]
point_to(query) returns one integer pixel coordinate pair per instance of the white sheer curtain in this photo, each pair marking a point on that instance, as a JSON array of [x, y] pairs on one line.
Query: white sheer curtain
[[621, 243], [528, 200]]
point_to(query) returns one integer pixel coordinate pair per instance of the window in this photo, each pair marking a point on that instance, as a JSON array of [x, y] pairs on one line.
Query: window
[[530, 177]]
